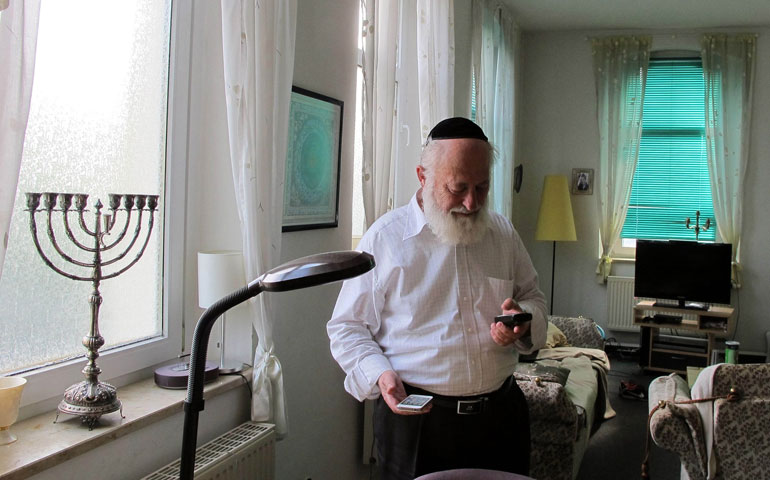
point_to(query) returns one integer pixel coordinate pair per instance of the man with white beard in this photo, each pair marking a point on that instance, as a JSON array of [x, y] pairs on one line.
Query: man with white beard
[[423, 320]]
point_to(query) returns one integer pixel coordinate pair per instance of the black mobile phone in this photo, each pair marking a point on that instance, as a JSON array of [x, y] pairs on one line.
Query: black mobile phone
[[511, 321]]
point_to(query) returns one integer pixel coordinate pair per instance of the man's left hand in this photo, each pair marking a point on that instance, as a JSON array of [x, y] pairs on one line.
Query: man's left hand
[[503, 335]]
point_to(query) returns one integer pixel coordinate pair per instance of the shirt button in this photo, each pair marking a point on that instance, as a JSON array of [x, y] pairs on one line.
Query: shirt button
[[470, 329], [465, 299]]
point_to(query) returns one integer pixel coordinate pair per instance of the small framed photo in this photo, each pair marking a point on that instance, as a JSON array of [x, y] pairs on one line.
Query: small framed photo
[[582, 181], [311, 188]]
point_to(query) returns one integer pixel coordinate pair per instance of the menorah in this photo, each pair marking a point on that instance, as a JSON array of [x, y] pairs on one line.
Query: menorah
[[90, 399], [697, 227]]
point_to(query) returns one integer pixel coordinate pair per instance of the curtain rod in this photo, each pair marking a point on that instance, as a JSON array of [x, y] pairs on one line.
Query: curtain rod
[[673, 34]]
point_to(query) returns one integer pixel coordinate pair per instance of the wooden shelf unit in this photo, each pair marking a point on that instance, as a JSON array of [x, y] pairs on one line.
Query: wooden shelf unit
[[716, 322]]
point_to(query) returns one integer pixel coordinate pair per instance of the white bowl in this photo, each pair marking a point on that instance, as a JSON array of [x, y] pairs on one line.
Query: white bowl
[[10, 396]]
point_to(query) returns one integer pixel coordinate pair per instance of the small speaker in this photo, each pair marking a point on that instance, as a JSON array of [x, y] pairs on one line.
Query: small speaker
[[175, 376]]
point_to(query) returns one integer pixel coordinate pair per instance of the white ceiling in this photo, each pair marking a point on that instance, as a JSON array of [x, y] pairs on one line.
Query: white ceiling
[[638, 14]]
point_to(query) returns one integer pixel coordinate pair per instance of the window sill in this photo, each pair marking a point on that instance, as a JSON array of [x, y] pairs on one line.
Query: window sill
[[43, 444]]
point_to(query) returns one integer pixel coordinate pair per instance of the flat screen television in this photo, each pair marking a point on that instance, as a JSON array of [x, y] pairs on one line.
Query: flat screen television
[[692, 274]]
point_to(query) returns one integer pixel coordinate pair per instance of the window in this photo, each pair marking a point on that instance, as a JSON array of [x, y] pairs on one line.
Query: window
[[671, 182], [99, 123]]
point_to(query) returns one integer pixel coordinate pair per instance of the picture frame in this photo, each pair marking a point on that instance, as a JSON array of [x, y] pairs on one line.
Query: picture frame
[[312, 174], [582, 181]]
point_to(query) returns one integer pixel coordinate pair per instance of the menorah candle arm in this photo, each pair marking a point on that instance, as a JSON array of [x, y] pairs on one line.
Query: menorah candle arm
[[55, 244], [138, 255], [71, 235], [130, 246], [123, 230], [46, 260], [83, 225]]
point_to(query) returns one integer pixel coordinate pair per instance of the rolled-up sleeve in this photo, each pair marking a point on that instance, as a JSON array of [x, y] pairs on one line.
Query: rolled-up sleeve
[[350, 331], [529, 296]]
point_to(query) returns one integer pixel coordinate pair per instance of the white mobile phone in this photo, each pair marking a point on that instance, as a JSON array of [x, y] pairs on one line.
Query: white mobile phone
[[415, 402]]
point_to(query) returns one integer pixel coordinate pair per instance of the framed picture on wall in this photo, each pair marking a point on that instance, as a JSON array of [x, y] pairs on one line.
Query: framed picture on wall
[[582, 181], [311, 188]]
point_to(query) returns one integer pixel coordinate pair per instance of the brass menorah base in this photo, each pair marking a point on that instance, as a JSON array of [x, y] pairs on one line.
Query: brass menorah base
[[90, 401]]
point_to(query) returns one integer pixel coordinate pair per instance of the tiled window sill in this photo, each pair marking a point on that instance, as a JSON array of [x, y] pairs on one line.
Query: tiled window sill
[[43, 444]]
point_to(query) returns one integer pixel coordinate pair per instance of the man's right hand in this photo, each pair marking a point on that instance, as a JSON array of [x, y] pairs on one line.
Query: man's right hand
[[392, 390]]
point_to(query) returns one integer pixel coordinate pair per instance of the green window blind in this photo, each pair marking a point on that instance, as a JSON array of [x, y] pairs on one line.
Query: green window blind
[[671, 181]]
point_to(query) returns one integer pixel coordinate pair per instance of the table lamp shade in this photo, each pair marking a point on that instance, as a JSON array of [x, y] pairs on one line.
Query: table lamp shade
[[220, 273], [555, 221]]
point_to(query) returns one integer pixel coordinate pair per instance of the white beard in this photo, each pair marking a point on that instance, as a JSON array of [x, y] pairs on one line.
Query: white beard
[[454, 229]]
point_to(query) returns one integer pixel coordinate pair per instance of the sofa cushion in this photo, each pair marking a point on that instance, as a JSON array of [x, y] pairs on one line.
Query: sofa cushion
[[742, 437], [580, 331], [538, 372], [554, 337]]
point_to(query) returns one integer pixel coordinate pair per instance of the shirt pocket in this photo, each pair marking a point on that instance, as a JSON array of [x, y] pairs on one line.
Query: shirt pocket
[[492, 294]]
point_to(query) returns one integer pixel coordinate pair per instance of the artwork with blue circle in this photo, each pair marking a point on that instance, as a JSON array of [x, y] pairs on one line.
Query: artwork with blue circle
[[311, 189]]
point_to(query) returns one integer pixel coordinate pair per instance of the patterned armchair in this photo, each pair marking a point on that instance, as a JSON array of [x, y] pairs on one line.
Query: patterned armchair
[[739, 429], [560, 419]]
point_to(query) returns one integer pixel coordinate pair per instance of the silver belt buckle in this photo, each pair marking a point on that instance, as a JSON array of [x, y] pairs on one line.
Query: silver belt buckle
[[470, 407]]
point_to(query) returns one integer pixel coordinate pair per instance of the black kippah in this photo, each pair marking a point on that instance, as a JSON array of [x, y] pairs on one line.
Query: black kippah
[[456, 127]]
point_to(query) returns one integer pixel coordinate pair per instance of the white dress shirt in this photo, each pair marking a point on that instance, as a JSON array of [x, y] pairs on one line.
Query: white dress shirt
[[426, 308]]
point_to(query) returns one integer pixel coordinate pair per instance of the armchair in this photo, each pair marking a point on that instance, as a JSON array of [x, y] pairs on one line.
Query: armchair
[[720, 438]]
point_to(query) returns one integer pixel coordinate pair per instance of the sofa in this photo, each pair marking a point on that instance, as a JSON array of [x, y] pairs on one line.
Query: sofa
[[727, 436], [565, 384]]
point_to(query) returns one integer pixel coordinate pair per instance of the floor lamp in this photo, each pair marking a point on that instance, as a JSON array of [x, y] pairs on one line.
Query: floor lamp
[[555, 222], [304, 272]]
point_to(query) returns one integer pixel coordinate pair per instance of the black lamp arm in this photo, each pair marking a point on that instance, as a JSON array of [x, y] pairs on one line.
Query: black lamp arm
[[194, 402]]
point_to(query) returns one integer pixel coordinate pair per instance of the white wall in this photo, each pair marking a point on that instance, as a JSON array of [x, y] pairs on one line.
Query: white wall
[[559, 133]]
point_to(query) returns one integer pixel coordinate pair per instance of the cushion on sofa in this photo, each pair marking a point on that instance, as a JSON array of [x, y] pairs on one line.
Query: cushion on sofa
[[554, 337]]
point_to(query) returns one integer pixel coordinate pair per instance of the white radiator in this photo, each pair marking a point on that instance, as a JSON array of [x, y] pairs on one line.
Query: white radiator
[[620, 304], [247, 451]]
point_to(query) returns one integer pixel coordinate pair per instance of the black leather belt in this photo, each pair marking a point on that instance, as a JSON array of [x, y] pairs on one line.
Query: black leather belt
[[472, 405]]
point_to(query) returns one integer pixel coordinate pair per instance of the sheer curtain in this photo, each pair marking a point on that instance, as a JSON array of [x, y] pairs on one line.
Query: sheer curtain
[[381, 28], [495, 47], [258, 44], [18, 44], [728, 71], [620, 71], [435, 62]]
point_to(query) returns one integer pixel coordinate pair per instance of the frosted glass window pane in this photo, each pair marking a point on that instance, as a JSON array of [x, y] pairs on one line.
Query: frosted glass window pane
[[97, 125]]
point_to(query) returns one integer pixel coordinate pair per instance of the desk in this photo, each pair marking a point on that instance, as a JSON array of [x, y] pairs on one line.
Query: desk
[[673, 356]]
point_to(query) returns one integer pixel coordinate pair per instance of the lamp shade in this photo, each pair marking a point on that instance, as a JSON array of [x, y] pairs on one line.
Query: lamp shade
[[555, 221], [220, 273]]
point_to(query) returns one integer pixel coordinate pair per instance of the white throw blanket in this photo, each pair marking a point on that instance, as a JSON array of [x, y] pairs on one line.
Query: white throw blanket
[[599, 361]]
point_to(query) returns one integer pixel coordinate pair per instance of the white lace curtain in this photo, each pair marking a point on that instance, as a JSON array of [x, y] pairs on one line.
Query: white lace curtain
[[258, 40], [380, 40], [620, 72], [18, 46], [495, 48], [728, 70], [435, 62]]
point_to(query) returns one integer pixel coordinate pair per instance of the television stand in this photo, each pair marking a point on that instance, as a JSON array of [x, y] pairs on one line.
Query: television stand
[[675, 353]]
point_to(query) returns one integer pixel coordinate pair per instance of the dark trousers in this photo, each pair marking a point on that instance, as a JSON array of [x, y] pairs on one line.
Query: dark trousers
[[496, 439]]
